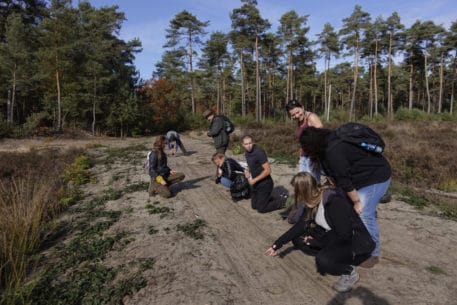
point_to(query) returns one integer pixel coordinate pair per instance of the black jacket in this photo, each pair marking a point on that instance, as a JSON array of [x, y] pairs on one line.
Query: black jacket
[[230, 167], [158, 167], [346, 227], [353, 167]]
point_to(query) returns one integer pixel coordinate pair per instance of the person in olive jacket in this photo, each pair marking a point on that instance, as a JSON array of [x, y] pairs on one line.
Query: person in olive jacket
[[217, 131], [331, 230]]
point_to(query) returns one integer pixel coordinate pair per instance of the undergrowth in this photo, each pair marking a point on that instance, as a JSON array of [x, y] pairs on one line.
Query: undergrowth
[[193, 229], [130, 154], [75, 273]]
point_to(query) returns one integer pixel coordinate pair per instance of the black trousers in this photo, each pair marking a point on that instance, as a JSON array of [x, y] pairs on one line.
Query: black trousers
[[334, 259], [261, 199]]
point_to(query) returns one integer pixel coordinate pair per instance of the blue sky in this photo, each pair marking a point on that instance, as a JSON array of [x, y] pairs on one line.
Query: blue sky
[[148, 19]]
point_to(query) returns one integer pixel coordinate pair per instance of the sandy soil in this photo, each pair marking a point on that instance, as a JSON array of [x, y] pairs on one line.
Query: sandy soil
[[228, 266]]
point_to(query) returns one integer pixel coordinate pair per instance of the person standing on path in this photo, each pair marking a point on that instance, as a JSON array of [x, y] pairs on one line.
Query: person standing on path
[[173, 136], [304, 120], [161, 175], [217, 131], [258, 175]]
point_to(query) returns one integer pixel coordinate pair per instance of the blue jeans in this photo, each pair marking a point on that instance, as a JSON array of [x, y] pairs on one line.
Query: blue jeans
[[226, 182], [305, 165], [369, 197]]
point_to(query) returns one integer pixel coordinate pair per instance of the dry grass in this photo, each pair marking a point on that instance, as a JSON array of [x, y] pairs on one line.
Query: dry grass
[[31, 187]]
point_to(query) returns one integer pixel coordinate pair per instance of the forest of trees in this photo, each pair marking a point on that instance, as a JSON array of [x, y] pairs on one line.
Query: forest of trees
[[65, 67]]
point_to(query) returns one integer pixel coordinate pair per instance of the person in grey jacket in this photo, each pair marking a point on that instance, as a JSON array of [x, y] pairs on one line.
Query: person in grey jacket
[[173, 136], [217, 131]]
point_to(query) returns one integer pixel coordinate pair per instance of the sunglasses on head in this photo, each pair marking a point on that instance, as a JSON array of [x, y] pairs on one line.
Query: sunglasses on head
[[293, 104]]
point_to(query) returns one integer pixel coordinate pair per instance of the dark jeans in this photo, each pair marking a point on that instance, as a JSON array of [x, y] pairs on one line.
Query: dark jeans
[[163, 190], [261, 199], [180, 145]]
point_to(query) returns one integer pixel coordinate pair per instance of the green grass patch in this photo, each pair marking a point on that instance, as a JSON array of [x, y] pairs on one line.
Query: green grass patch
[[137, 187], [155, 209], [193, 229], [130, 154], [152, 230], [448, 185], [413, 198], [78, 172], [435, 270]]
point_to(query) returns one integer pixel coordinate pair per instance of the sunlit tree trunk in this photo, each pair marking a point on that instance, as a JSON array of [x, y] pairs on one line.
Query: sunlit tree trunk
[[427, 89], [411, 92], [440, 97]]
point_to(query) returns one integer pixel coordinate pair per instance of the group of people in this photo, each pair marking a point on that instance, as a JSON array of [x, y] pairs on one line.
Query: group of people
[[338, 187], [339, 225]]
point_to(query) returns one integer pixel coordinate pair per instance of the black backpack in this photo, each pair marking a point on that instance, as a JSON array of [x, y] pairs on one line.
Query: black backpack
[[229, 127], [361, 136], [240, 188]]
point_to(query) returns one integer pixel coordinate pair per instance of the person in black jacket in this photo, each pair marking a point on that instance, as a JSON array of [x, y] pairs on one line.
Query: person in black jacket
[[331, 230], [161, 175], [217, 131], [227, 169], [363, 175]]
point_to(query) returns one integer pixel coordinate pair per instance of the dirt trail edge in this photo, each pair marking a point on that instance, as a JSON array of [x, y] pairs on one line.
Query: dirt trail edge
[[228, 266]]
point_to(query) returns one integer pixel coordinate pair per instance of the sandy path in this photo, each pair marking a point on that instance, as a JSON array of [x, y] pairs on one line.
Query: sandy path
[[229, 266]]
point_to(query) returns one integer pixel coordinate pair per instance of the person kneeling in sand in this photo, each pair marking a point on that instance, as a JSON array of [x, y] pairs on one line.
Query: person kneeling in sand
[[161, 175], [227, 169], [331, 230]]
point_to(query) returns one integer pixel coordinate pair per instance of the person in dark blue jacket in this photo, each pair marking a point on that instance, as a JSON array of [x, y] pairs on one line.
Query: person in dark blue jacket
[[330, 229]]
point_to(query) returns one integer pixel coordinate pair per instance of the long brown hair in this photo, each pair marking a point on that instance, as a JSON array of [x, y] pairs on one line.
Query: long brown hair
[[158, 145], [307, 191]]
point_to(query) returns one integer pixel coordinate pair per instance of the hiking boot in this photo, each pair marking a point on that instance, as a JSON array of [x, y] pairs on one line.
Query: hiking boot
[[346, 281], [369, 262]]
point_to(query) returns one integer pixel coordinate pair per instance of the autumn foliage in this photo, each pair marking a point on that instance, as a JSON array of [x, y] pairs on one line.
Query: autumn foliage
[[164, 103]]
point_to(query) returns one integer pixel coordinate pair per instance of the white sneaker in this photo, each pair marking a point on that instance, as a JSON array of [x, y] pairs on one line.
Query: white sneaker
[[344, 284]]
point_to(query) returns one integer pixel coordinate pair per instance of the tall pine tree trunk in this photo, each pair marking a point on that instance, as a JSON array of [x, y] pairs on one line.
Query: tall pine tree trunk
[[258, 103], [427, 89], [289, 77], [243, 89], [356, 72], [440, 98], [191, 70], [411, 92], [59, 103], [13, 98], [389, 84], [375, 80], [94, 98]]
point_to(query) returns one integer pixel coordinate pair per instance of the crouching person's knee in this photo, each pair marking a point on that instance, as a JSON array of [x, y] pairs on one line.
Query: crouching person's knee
[[323, 263]]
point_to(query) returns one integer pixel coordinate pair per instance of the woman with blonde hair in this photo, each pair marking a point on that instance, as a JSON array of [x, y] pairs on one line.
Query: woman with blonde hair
[[161, 175], [330, 229]]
